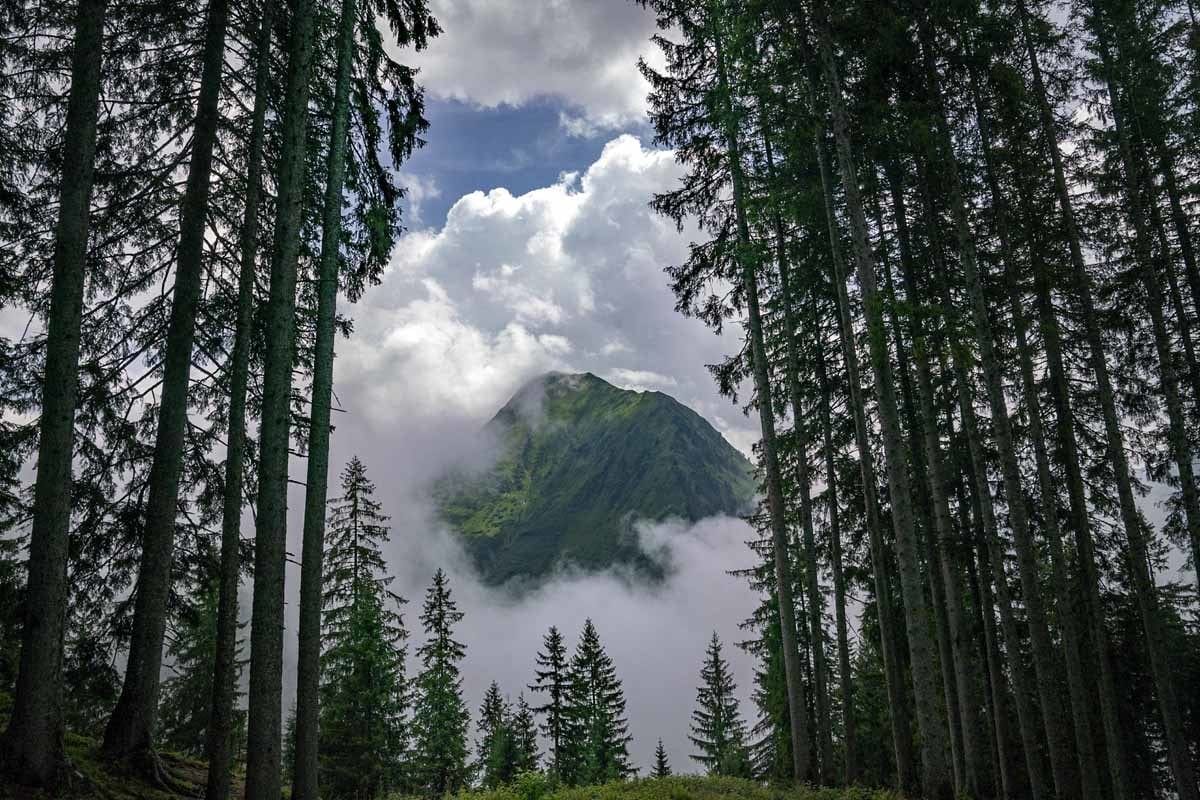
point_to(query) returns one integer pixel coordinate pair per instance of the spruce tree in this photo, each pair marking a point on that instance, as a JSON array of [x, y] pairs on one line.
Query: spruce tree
[[596, 705], [494, 747], [364, 693], [440, 717], [552, 680], [662, 767], [33, 741], [718, 731], [525, 737]]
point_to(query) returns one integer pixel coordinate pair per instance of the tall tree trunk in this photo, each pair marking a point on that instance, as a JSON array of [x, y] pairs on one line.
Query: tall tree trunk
[[304, 770], [849, 723], [266, 641], [1044, 660], [1131, 520], [1023, 681], [33, 742], [797, 707], [996, 685], [965, 664], [1080, 693], [811, 578], [936, 780], [889, 640], [1178, 753], [1186, 335], [130, 730], [219, 744]]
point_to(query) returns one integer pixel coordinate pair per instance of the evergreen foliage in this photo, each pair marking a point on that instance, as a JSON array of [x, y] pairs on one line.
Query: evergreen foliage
[[440, 718], [718, 731], [364, 692], [662, 767], [595, 704]]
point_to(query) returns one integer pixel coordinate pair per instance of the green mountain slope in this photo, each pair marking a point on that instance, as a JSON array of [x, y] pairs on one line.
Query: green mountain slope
[[578, 461]]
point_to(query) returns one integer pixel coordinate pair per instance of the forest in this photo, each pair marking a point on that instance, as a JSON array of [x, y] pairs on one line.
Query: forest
[[950, 243]]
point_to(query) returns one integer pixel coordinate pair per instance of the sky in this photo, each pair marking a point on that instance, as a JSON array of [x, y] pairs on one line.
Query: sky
[[531, 247]]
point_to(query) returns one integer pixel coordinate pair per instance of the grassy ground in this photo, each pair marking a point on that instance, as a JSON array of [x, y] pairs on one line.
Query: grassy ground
[[90, 777], [674, 788]]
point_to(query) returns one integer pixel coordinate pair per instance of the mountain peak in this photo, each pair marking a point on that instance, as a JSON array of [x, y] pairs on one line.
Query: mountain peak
[[579, 460]]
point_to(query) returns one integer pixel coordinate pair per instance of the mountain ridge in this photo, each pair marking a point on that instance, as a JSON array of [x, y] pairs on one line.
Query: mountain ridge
[[578, 462]]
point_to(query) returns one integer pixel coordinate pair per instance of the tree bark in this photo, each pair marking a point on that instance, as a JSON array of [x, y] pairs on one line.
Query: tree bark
[[965, 665], [898, 706], [304, 770], [1178, 753], [936, 779], [130, 730], [849, 722], [263, 733], [33, 741], [797, 707], [218, 743], [1044, 660]]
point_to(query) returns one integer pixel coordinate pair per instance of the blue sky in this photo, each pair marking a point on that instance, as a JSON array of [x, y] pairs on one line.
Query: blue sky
[[520, 147]]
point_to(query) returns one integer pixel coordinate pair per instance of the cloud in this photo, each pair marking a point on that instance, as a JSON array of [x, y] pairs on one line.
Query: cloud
[[495, 52], [564, 277]]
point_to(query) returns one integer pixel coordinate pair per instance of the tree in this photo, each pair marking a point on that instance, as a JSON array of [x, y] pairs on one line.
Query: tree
[[440, 717], [359, 50], [525, 737], [496, 745], [33, 741], [130, 730], [364, 694], [662, 767], [266, 632], [717, 727], [553, 680], [596, 704]]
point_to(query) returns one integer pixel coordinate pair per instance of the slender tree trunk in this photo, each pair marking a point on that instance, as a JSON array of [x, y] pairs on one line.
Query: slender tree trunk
[[797, 707], [1131, 520], [1186, 336], [1045, 662], [898, 707], [996, 686], [964, 662], [1081, 696], [849, 723], [1023, 681], [304, 770], [130, 730], [218, 745], [1178, 753], [1179, 220], [936, 779], [33, 742], [264, 727], [811, 578]]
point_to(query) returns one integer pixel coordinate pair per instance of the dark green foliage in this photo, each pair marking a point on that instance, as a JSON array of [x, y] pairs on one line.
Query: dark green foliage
[[578, 460], [364, 693], [184, 707], [552, 680], [439, 727], [599, 739], [662, 767], [718, 731]]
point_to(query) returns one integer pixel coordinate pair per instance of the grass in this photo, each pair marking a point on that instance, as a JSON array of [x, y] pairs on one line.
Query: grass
[[532, 787]]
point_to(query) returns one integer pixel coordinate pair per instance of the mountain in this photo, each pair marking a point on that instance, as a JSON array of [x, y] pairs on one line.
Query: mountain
[[578, 460]]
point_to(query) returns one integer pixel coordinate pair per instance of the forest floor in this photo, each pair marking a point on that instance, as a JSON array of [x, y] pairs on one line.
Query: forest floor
[[90, 777]]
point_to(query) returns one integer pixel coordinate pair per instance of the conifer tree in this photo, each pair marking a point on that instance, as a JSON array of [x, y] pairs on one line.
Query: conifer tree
[[33, 740], [359, 52], [662, 767], [596, 705], [718, 731], [494, 746], [440, 717], [552, 680], [525, 737], [364, 694]]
